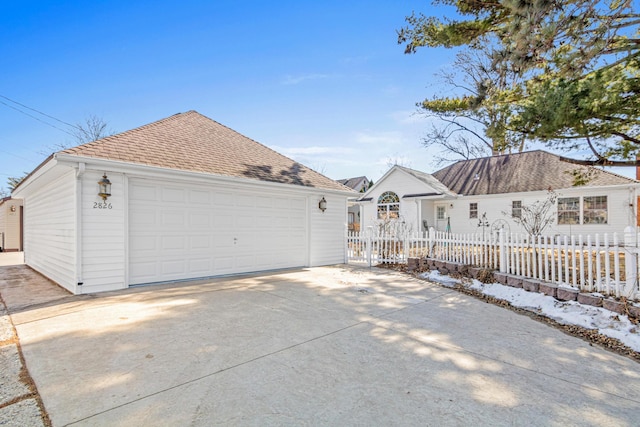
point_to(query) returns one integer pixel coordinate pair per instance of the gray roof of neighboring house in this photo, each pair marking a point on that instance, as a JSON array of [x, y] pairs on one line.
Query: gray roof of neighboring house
[[356, 183], [192, 142], [522, 172]]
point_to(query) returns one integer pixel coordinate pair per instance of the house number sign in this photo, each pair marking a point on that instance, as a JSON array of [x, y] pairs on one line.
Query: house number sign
[[101, 205]]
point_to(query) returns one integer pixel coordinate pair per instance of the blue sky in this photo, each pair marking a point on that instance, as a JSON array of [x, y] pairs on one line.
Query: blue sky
[[322, 82]]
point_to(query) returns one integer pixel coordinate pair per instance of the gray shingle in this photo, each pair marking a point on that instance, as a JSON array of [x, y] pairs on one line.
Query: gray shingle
[[521, 172]]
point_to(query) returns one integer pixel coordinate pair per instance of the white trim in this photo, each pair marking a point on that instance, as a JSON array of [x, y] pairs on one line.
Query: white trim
[[46, 167], [125, 219], [78, 214], [308, 207]]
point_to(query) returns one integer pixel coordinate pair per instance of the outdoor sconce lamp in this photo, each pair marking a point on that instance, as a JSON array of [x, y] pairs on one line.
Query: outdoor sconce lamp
[[105, 187], [13, 208], [322, 204]]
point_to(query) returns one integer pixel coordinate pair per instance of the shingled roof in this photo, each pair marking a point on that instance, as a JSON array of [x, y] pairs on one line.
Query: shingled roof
[[193, 142], [515, 173], [356, 183]]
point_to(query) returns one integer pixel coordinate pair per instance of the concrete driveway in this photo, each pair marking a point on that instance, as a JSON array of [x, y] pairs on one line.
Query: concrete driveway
[[340, 346]]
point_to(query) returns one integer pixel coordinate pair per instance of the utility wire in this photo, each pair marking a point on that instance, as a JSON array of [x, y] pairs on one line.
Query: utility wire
[[36, 118], [40, 112]]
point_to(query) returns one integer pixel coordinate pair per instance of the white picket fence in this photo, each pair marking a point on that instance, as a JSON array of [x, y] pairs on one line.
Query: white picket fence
[[600, 263]]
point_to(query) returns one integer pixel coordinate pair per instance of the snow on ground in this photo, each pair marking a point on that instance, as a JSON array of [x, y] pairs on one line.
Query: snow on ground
[[566, 312]]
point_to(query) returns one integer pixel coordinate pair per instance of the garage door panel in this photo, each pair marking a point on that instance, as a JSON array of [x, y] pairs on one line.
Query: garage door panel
[[141, 218], [224, 264], [172, 218], [245, 200], [190, 231], [142, 272], [223, 221], [173, 195], [245, 220], [199, 220], [223, 199], [143, 192], [200, 197], [144, 243], [173, 268], [200, 265], [264, 202], [200, 242], [173, 243], [298, 205]]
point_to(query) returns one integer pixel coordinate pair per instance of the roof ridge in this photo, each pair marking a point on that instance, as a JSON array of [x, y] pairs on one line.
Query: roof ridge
[[130, 131]]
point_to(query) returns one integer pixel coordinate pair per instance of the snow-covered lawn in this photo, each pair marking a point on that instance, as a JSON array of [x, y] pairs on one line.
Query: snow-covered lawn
[[566, 312]]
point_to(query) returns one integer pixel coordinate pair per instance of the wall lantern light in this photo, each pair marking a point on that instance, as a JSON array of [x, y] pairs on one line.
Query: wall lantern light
[[105, 187], [322, 204], [13, 208]]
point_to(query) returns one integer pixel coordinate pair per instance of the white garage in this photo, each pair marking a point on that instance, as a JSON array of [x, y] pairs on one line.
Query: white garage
[[182, 231], [188, 198]]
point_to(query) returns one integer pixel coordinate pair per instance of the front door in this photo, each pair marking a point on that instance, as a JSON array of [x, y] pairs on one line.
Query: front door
[[441, 217]]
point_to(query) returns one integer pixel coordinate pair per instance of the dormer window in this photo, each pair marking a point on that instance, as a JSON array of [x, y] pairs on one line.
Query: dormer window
[[388, 205]]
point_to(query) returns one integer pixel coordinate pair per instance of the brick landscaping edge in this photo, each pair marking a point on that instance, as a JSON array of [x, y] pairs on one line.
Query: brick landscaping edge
[[530, 285]]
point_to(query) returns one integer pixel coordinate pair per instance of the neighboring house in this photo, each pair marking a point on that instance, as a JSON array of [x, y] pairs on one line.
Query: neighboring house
[[188, 198], [10, 225], [481, 195], [359, 184]]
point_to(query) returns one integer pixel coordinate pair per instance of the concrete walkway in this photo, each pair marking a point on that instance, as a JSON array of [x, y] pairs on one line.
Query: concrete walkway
[[11, 258], [20, 404], [324, 346]]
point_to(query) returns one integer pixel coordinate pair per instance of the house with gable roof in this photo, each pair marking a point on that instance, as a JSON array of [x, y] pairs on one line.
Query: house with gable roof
[[10, 224], [359, 184], [181, 198], [482, 195]]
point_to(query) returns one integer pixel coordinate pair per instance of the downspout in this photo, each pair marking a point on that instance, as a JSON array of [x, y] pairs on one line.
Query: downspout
[[79, 175]]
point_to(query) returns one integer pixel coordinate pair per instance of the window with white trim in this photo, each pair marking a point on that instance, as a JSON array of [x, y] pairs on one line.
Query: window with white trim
[[441, 212], [516, 208], [594, 210], [388, 205], [473, 210], [568, 210], [583, 210]]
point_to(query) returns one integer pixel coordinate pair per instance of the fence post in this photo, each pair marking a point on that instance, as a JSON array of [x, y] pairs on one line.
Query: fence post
[[431, 241], [503, 251], [630, 262], [368, 248]]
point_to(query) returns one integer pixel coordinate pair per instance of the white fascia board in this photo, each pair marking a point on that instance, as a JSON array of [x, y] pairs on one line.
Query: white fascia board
[[134, 170], [32, 181], [434, 197]]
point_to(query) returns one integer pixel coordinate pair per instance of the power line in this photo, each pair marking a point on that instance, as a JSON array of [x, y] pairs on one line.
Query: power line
[[39, 112]]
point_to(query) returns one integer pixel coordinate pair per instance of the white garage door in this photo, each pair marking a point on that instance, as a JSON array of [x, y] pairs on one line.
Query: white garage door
[[186, 231]]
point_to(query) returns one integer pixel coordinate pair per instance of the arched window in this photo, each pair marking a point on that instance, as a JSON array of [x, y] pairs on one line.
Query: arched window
[[388, 205]]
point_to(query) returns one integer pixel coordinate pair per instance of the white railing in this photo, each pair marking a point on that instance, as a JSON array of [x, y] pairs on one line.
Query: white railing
[[600, 263]]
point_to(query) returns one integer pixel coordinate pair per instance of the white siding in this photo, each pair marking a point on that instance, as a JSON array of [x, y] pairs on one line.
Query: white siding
[[402, 184], [327, 230], [102, 234], [498, 207], [49, 230]]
